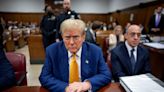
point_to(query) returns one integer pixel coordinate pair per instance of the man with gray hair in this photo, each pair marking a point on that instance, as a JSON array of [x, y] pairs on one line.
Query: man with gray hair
[[129, 58], [73, 65]]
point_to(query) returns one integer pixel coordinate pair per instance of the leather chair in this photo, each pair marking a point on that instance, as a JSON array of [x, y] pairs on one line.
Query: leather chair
[[108, 54], [18, 62]]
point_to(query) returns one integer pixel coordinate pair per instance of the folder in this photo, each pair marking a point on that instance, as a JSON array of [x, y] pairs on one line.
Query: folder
[[140, 83]]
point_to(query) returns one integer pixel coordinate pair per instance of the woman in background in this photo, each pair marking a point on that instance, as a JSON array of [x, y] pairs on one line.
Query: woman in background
[[116, 37]]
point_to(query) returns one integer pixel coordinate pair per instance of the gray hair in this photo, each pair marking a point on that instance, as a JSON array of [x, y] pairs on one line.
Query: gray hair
[[132, 27], [72, 23]]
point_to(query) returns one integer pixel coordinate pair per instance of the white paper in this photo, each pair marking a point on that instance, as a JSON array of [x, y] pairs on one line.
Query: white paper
[[155, 45], [141, 83]]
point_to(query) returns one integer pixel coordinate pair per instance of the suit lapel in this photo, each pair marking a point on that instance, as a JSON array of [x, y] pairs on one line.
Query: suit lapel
[[124, 56], [84, 61], [63, 65], [139, 59]]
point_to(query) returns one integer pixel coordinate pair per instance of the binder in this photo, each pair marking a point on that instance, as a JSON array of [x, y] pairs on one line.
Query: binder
[[140, 83]]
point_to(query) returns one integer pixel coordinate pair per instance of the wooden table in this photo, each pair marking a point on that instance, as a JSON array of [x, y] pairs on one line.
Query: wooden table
[[112, 87], [157, 62], [27, 89]]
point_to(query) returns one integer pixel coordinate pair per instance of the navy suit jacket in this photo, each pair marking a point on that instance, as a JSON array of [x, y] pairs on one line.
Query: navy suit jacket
[[121, 64], [7, 76], [55, 72]]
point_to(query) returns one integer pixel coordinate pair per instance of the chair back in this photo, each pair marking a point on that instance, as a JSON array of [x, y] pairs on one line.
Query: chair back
[[18, 62]]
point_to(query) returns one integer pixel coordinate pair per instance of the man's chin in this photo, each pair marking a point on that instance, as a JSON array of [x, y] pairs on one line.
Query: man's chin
[[134, 45], [73, 50]]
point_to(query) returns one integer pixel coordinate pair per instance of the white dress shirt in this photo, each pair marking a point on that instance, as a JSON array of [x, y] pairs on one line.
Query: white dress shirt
[[129, 48]]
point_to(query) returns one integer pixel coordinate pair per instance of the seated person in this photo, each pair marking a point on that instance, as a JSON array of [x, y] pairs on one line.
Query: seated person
[[90, 34], [7, 76], [116, 37], [129, 58], [74, 65]]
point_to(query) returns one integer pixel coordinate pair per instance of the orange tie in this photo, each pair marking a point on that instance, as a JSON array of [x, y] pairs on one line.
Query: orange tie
[[73, 71]]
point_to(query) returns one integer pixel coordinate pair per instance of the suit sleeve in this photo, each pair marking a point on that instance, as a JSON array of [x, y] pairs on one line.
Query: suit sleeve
[[116, 67], [103, 76], [147, 68], [49, 81]]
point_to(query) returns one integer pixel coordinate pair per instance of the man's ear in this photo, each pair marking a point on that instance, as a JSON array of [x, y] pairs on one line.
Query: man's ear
[[125, 35], [84, 35]]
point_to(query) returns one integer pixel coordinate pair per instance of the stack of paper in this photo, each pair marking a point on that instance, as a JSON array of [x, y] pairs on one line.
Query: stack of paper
[[140, 83], [155, 45]]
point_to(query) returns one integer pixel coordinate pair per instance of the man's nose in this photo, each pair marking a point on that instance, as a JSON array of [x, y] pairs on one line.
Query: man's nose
[[136, 36], [71, 40]]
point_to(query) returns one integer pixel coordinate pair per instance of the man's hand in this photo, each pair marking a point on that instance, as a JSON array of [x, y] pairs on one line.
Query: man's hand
[[155, 29], [78, 87]]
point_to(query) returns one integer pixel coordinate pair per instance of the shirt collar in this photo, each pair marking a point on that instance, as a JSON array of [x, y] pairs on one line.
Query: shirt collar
[[77, 54], [129, 48]]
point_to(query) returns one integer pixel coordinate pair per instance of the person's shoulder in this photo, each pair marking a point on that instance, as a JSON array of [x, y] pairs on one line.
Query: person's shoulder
[[162, 15], [73, 12], [91, 46], [61, 14], [142, 48], [111, 35], [55, 46], [119, 47]]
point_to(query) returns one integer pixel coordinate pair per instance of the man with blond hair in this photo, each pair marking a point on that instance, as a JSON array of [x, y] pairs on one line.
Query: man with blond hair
[[73, 65]]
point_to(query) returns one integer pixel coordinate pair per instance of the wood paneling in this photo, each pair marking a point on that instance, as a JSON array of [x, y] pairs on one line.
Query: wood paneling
[[142, 13], [94, 17], [24, 17]]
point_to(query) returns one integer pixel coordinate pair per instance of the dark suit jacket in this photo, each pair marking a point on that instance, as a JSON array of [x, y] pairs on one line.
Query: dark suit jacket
[[89, 36], [160, 25], [48, 28], [121, 65], [7, 76], [55, 72]]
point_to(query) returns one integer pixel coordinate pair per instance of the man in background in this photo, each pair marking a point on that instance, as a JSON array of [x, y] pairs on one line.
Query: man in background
[[156, 23], [66, 14], [129, 58], [47, 26]]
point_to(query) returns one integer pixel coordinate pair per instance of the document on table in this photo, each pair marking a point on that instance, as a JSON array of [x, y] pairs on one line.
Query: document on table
[[155, 45], [140, 83]]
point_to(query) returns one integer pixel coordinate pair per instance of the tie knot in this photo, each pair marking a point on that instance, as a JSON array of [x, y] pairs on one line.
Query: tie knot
[[132, 50], [73, 55]]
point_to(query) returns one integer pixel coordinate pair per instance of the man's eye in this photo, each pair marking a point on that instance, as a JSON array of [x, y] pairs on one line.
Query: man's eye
[[67, 37]]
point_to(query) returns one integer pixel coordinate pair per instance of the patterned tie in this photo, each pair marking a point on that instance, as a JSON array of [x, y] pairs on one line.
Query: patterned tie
[[73, 71], [132, 59]]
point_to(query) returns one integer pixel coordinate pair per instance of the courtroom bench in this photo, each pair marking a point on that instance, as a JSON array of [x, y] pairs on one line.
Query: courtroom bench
[[36, 49]]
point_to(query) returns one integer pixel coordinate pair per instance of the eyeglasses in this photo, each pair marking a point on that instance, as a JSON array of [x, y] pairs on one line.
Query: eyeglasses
[[132, 34]]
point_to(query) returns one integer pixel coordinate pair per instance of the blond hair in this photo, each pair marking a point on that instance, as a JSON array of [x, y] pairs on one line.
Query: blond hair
[[72, 23]]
